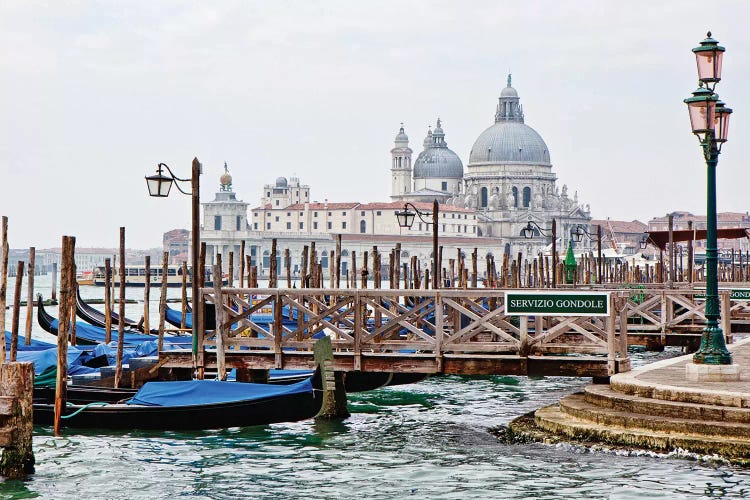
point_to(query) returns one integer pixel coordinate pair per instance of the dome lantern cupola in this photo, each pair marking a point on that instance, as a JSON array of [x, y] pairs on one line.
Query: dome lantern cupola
[[437, 161], [509, 108]]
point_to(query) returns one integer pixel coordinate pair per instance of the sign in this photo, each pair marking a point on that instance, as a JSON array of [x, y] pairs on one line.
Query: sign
[[534, 303], [740, 294]]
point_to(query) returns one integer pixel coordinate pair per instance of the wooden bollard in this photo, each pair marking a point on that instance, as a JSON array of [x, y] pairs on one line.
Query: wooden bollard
[[163, 299], [334, 392], [147, 295], [16, 312], [16, 394], [3, 282], [107, 302], [183, 302], [30, 296], [53, 294], [121, 312], [61, 378]]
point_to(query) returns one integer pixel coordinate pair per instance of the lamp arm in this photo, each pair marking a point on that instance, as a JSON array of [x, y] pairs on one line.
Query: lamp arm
[[419, 212], [175, 178], [544, 232]]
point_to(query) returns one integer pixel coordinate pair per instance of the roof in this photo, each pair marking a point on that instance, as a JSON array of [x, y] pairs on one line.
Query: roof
[[661, 238], [620, 226], [400, 238]]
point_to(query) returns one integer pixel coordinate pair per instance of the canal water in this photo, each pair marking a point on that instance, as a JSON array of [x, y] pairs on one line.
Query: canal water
[[426, 440]]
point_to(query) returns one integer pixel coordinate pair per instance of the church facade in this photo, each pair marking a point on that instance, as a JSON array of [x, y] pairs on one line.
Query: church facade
[[508, 180]]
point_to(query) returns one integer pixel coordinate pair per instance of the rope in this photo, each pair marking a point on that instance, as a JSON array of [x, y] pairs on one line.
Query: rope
[[96, 403]]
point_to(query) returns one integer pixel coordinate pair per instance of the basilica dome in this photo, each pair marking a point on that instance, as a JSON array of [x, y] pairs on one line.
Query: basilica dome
[[509, 140], [437, 160]]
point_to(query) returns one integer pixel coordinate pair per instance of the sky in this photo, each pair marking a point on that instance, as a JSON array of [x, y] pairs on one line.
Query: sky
[[93, 95]]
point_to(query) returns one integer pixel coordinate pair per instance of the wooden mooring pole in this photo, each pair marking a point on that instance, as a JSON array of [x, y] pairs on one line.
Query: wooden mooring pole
[[61, 381], [121, 312], [30, 295]]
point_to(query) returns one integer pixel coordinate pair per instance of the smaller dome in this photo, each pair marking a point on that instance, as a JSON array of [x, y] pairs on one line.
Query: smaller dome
[[281, 182], [402, 137], [508, 92]]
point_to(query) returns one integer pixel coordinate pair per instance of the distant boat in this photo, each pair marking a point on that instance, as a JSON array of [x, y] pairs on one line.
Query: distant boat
[[135, 275], [193, 405], [85, 278]]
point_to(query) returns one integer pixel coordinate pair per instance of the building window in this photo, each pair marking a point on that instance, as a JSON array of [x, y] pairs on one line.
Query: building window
[[255, 226], [443, 227], [217, 222], [277, 218], [515, 196], [301, 214], [268, 214], [362, 213], [255, 214], [362, 226], [420, 227], [377, 213], [315, 214], [289, 214], [329, 214], [526, 197], [268, 193], [315, 225], [239, 222], [288, 225], [453, 216], [343, 225], [483, 197], [277, 203], [302, 225], [268, 225], [330, 225], [464, 229], [343, 213], [444, 186]]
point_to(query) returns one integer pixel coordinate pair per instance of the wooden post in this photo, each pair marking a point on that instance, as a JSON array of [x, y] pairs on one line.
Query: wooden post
[[364, 271], [53, 295], [303, 271], [4, 248], [147, 296], [61, 379], [107, 301], [202, 266], [288, 265], [72, 306], [338, 261], [230, 280], [242, 264], [273, 270], [30, 295], [16, 312], [397, 266], [163, 300], [354, 269], [474, 268], [334, 392], [121, 312], [17, 385], [221, 365], [183, 308]]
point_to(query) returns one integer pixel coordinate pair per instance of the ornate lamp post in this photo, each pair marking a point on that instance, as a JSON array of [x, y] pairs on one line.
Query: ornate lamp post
[[529, 232], [406, 219], [159, 185], [709, 119], [578, 233]]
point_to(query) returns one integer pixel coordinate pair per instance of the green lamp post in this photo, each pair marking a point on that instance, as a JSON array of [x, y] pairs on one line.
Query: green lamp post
[[709, 119]]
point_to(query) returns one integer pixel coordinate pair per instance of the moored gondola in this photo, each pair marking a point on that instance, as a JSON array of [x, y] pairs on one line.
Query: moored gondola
[[95, 317], [194, 405]]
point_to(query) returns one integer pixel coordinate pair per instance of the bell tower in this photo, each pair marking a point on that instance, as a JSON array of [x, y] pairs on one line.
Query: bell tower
[[400, 165]]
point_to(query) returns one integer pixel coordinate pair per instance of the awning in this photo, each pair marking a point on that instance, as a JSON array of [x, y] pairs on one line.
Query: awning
[[661, 238]]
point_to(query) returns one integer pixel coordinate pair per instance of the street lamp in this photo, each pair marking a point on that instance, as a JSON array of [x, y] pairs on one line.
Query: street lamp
[[709, 119], [159, 186], [406, 219], [528, 233], [579, 232]]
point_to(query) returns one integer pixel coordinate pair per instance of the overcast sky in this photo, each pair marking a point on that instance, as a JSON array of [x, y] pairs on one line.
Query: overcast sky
[[94, 94]]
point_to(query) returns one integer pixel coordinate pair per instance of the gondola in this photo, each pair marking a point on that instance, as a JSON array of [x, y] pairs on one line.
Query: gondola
[[91, 335], [95, 317], [194, 405]]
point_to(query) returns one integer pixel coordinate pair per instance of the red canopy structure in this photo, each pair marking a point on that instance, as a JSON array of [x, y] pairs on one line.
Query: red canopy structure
[[661, 238]]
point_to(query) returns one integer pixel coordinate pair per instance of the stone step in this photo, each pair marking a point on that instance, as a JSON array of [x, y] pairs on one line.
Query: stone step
[[552, 419], [577, 406], [706, 396], [604, 396]]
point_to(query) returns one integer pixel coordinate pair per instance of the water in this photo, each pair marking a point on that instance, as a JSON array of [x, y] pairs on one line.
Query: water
[[426, 440]]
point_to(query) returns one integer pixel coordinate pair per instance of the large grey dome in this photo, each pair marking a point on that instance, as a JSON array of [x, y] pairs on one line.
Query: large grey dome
[[437, 160], [509, 141]]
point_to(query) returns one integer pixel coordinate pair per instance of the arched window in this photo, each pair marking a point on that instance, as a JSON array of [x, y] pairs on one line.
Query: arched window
[[362, 226], [483, 197], [324, 260], [526, 197], [515, 196]]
